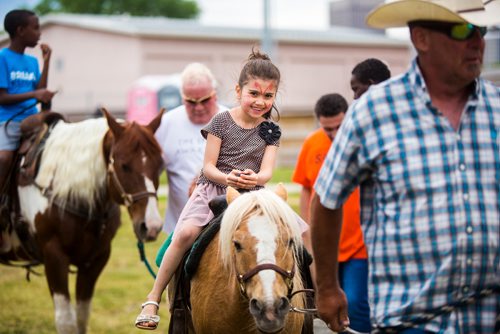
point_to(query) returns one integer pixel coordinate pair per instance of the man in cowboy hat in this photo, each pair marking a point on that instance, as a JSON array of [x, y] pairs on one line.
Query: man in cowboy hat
[[426, 146]]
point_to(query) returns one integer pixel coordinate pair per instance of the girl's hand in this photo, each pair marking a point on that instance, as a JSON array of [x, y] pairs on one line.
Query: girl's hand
[[233, 178], [248, 179]]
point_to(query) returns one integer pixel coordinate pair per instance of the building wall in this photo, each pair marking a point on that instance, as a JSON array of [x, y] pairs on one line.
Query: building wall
[[308, 71], [90, 68]]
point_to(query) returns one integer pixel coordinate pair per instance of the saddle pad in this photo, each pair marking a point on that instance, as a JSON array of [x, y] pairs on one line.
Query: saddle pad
[[198, 247], [194, 257], [162, 249], [217, 206]]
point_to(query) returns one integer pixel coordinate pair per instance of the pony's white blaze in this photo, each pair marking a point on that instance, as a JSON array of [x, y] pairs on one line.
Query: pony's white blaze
[[153, 217], [266, 234], [32, 203], [64, 314]]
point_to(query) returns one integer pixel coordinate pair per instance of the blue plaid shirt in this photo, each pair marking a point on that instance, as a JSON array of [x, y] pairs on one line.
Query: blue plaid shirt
[[430, 206]]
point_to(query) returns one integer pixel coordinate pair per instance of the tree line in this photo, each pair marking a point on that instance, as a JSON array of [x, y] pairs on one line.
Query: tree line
[[184, 9]]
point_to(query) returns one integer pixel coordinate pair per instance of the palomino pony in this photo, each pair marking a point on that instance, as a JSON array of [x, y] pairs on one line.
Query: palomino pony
[[249, 272], [71, 207]]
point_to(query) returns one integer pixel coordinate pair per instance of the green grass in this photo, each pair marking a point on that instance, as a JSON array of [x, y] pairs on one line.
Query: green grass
[[282, 174], [26, 307]]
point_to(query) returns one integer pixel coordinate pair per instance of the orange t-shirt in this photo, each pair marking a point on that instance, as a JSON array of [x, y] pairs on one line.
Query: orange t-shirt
[[309, 162]]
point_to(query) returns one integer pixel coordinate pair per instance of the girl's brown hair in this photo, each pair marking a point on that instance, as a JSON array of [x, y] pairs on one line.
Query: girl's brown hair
[[259, 65]]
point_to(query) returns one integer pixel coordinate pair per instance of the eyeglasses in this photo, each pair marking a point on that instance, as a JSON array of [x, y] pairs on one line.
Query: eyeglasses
[[455, 31], [201, 100]]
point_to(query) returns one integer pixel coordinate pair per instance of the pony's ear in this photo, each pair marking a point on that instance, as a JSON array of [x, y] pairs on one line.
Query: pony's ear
[[281, 191], [115, 128], [155, 123], [231, 194]]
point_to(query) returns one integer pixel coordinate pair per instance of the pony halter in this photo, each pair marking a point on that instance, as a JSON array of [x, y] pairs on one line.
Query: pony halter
[[128, 199], [286, 274]]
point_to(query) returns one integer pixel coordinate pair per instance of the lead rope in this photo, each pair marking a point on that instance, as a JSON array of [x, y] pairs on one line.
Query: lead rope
[[142, 255]]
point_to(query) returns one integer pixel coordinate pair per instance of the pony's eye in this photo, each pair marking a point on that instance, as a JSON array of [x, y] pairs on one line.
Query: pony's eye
[[237, 246], [126, 168]]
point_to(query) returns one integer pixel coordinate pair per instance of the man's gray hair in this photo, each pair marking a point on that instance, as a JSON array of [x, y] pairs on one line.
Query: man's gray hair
[[197, 73]]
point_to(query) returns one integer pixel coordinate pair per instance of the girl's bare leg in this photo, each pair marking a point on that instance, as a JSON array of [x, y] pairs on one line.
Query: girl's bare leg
[[182, 240]]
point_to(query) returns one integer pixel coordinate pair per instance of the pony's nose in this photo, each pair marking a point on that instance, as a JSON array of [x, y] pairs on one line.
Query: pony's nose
[[280, 308], [256, 307], [150, 233], [143, 229], [144, 233], [269, 318], [283, 306]]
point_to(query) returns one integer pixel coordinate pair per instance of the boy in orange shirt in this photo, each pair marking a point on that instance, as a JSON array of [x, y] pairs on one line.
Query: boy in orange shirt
[[353, 264]]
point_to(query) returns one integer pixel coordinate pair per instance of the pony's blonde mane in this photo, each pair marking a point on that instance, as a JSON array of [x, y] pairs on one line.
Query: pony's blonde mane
[[72, 164], [263, 202]]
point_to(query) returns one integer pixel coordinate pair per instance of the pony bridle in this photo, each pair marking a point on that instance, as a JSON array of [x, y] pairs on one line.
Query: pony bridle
[[286, 274], [128, 199]]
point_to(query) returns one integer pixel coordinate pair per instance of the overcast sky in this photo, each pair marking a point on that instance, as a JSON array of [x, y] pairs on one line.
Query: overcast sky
[[289, 14]]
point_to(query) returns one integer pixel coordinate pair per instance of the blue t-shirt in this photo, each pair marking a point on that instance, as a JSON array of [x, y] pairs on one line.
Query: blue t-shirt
[[19, 73]]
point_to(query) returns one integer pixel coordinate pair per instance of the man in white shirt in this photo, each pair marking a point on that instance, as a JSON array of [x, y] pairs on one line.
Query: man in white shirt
[[180, 138]]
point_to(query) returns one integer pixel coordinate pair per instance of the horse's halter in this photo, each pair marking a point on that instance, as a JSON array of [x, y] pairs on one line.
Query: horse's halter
[[127, 198], [286, 274]]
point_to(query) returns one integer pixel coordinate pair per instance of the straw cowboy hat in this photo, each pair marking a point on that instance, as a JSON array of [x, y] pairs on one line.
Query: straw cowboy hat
[[399, 12]]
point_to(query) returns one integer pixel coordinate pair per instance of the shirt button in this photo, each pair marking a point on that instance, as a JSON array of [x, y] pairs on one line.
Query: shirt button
[[461, 167], [469, 261], [466, 196], [469, 229], [465, 289]]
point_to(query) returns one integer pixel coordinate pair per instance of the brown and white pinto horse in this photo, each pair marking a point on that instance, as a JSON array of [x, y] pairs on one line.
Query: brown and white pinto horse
[[71, 210], [249, 272]]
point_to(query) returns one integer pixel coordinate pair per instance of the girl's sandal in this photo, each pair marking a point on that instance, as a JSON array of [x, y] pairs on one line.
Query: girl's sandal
[[148, 318]]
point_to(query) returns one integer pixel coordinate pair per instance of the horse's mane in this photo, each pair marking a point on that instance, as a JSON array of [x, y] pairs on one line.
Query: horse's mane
[[263, 202], [72, 164]]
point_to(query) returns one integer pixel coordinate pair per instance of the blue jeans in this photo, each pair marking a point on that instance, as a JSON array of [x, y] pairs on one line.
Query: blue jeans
[[353, 276], [10, 136]]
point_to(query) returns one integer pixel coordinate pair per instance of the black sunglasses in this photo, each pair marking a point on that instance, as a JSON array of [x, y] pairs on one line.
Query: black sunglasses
[[455, 31], [201, 100]]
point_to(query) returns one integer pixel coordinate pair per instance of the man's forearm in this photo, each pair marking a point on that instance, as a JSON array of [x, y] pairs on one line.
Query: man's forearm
[[326, 226]]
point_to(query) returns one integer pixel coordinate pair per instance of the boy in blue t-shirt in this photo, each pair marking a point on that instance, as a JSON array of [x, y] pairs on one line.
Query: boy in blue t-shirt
[[21, 85]]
